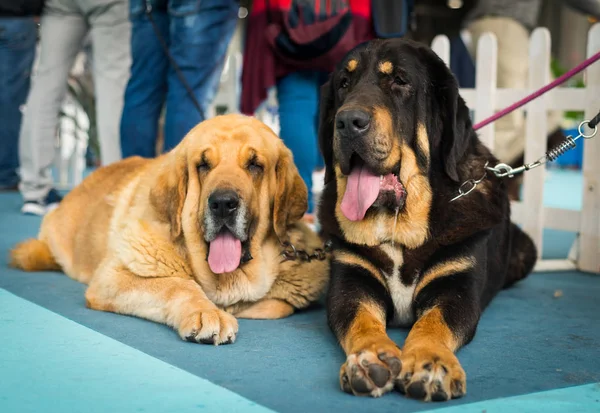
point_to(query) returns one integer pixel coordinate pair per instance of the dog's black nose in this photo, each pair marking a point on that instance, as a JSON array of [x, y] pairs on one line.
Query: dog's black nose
[[352, 123], [223, 203]]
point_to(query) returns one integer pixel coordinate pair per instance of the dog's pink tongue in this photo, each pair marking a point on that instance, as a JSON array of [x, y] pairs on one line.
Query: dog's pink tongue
[[224, 253], [362, 190]]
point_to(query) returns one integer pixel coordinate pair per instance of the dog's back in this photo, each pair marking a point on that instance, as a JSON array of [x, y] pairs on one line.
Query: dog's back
[[73, 237]]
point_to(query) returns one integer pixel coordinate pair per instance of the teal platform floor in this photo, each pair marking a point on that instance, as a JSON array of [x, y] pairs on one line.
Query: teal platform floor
[[532, 352]]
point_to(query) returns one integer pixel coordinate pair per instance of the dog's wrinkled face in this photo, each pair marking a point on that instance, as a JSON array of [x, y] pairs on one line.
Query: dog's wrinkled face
[[385, 112], [232, 175], [241, 184], [374, 119]]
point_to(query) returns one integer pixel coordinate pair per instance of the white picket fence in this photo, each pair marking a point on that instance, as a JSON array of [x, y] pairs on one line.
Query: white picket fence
[[485, 99]]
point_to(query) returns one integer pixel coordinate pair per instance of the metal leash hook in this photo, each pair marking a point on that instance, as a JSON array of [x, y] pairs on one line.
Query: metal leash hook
[[502, 170]]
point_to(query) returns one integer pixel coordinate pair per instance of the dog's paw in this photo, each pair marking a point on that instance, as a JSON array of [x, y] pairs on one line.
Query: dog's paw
[[371, 372], [209, 327], [431, 374]]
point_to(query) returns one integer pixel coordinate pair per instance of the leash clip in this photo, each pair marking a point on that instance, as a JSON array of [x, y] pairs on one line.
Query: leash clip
[[501, 170], [504, 170]]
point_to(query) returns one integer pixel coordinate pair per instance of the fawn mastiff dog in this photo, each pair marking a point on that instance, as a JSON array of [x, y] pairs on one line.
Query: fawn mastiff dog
[[193, 238]]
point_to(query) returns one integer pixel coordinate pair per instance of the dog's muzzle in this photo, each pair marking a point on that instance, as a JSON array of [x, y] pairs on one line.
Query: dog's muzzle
[[226, 231]]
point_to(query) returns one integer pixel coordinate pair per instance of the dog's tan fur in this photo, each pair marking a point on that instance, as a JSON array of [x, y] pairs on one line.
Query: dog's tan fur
[[133, 231]]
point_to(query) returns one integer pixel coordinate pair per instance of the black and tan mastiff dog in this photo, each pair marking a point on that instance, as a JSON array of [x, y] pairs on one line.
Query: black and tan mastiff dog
[[398, 143]]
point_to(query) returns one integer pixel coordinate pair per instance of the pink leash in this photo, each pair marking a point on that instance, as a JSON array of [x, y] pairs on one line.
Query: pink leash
[[540, 92]]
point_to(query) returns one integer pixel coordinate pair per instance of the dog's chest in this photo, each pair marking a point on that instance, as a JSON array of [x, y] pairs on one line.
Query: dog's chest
[[402, 294]]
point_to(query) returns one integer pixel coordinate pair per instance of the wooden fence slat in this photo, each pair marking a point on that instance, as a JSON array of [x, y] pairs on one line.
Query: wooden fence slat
[[441, 46], [554, 218], [536, 131], [485, 85], [589, 241]]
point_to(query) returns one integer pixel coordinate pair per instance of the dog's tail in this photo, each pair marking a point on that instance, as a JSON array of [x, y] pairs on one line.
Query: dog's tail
[[33, 255], [523, 256]]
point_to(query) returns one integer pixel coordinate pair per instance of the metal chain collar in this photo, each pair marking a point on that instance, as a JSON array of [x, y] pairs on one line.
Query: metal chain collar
[[502, 170], [470, 184], [290, 253]]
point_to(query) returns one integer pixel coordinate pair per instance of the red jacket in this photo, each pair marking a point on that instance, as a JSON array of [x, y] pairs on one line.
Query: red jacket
[[262, 67]]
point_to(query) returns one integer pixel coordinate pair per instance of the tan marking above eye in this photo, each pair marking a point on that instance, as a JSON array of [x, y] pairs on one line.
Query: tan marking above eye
[[386, 67], [351, 65]]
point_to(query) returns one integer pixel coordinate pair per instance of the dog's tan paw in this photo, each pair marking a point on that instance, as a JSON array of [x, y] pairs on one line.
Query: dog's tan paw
[[431, 373], [371, 372], [209, 327]]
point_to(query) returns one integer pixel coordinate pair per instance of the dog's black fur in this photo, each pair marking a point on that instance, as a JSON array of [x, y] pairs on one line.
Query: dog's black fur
[[469, 249]]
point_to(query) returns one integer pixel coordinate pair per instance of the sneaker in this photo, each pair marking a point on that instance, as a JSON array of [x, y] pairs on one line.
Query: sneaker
[[43, 206]]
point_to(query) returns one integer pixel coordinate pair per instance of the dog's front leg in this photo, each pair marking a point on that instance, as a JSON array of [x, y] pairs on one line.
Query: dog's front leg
[[176, 301], [357, 306], [446, 303]]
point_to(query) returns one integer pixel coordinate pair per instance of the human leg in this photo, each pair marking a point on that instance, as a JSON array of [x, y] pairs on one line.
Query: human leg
[[200, 35], [146, 89], [298, 97], [17, 52], [62, 31], [110, 30], [513, 63]]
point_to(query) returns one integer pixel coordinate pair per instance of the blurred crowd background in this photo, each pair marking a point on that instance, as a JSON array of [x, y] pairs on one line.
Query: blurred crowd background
[[85, 83]]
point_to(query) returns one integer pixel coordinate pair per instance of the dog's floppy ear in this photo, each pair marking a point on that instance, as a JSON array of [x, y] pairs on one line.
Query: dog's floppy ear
[[167, 196], [456, 135], [456, 132], [291, 194], [326, 123]]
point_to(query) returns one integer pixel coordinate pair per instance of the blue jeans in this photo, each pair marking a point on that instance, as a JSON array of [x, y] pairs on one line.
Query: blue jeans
[[17, 51], [197, 33], [298, 98]]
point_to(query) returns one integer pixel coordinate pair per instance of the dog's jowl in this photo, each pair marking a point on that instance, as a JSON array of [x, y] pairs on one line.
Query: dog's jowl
[[398, 143]]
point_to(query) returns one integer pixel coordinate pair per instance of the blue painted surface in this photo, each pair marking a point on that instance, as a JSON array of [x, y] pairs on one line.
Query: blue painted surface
[[563, 189], [51, 364], [578, 399]]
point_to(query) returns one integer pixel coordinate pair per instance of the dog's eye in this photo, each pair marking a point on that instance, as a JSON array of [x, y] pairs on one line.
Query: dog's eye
[[398, 82], [203, 166], [344, 83], [255, 167]]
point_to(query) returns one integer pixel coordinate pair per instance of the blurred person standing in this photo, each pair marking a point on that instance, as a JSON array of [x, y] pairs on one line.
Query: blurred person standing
[[281, 52], [512, 22], [18, 37], [64, 25], [196, 35]]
